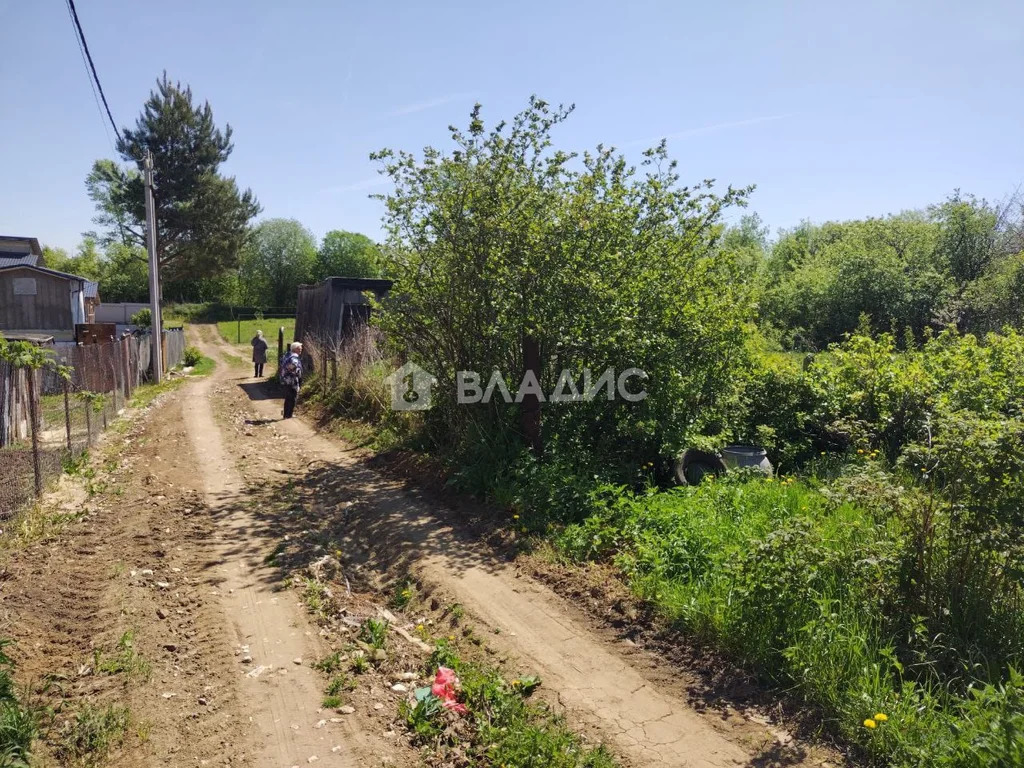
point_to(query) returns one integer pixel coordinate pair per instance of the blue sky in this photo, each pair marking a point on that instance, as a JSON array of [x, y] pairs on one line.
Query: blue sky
[[834, 110]]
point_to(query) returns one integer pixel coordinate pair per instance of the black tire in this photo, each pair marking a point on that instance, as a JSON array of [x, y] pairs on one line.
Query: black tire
[[697, 471], [694, 465]]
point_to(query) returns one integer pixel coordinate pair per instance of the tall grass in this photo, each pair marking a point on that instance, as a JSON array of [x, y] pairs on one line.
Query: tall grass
[[20, 718], [805, 588], [348, 380]]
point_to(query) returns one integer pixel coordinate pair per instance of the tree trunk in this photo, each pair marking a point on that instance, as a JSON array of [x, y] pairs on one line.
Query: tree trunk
[[529, 408]]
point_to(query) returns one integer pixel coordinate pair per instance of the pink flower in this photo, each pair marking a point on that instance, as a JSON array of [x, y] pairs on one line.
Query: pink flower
[[445, 688]]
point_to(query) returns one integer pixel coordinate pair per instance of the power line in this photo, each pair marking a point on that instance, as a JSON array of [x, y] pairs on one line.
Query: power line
[[92, 84], [88, 56]]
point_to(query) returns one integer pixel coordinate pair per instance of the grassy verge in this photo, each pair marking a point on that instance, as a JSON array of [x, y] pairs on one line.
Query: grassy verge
[[90, 733], [204, 367], [806, 588]]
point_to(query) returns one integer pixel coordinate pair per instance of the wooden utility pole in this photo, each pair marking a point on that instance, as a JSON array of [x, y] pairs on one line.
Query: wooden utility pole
[[156, 327]]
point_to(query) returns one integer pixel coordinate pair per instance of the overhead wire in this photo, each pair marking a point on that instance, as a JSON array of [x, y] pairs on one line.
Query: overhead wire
[[91, 67]]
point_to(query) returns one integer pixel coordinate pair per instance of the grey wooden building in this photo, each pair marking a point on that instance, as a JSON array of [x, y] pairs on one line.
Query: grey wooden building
[[39, 300], [329, 311]]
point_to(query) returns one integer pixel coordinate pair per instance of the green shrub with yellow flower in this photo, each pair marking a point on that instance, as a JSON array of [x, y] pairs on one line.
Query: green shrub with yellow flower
[[878, 577]]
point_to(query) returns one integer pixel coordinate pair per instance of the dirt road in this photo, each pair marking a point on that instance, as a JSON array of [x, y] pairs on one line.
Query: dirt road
[[176, 548], [598, 687], [276, 640]]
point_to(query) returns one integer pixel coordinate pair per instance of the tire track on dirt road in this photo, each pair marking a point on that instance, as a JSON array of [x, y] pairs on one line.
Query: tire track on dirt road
[[283, 695], [598, 688]]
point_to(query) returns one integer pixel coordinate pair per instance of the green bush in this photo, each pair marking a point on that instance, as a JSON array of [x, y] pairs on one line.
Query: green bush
[[191, 357], [591, 262], [809, 590], [143, 318]]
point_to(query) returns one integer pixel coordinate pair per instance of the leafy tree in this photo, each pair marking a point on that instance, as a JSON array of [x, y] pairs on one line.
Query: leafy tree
[[87, 261], [967, 236], [52, 257], [347, 254], [820, 280], [280, 256], [125, 274], [747, 243], [509, 254], [143, 318], [996, 299], [202, 218]]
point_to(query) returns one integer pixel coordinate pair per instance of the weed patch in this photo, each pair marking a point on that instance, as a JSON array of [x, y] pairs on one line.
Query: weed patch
[[90, 734], [125, 660], [21, 718], [473, 710]]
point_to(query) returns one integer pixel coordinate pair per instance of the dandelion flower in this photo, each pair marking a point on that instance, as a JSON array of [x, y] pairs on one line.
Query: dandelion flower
[[869, 723], [860, 450], [515, 517], [881, 717]]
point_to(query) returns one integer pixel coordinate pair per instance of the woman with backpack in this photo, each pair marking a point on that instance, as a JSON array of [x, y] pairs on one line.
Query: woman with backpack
[[291, 377]]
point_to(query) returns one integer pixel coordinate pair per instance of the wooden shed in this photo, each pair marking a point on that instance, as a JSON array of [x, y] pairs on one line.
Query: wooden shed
[[34, 299], [329, 311]]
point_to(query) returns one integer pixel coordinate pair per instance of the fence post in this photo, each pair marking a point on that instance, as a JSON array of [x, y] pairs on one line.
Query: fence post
[[239, 329], [115, 364], [88, 421], [67, 413], [280, 344], [33, 416], [125, 358]]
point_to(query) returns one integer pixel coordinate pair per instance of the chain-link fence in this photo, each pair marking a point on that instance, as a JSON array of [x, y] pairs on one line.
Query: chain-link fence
[[50, 416]]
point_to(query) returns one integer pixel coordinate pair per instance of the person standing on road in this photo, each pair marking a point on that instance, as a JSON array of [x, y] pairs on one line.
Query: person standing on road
[[259, 353], [291, 377]]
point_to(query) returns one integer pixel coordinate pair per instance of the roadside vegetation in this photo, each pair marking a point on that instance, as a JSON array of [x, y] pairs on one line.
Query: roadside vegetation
[[21, 717], [473, 713], [459, 708], [877, 577]]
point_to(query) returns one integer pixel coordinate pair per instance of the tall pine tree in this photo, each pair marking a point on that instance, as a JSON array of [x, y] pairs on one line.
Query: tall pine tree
[[202, 217]]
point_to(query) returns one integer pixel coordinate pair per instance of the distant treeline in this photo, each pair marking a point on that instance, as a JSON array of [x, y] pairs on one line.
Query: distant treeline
[[959, 264], [278, 256]]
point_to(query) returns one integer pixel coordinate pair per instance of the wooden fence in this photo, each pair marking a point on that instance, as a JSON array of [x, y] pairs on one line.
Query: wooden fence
[[44, 426]]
